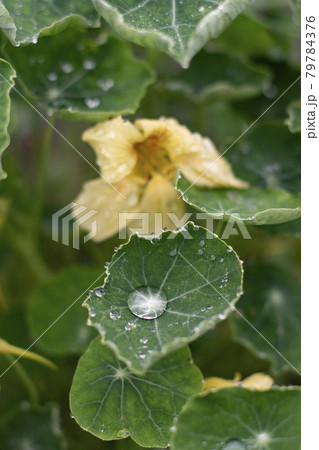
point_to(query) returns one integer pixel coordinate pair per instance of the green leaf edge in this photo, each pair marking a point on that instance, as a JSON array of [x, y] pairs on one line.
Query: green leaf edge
[[169, 347], [191, 362], [11, 83], [188, 404], [70, 19], [289, 121], [256, 219], [208, 28], [262, 355], [92, 116]]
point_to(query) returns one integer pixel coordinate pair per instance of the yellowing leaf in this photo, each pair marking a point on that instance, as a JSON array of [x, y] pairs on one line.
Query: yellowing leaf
[[257, 381]]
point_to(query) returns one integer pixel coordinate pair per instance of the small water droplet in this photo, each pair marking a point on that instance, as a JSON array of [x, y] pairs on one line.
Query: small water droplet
[[67, 67], [99, 292], [221, 316], [201, 9], [147, 302], [71, 415], [52, 76], [114, 315], [200, 251], [92, 102], [144, 340], [92, 313], [123, 433], [105, 85], [89, 64], [173, 252]]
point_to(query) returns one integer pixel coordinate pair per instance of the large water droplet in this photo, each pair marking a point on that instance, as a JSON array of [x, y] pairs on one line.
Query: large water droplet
[[147, 302], [234, 445]]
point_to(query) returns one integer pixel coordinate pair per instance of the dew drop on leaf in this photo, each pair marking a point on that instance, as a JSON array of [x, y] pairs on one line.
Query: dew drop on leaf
[[92, 102], [99, 292], [114, 315], [52, 76], [234, 445], [147, 302], [89, 64]]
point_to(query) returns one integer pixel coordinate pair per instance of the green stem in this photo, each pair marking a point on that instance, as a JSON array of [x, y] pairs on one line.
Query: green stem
[[42, 177], [219, 229], [199, 118], [25, 246], [25, 379]]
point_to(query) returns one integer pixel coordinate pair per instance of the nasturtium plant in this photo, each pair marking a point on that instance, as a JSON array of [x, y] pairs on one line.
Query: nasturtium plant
[[180, 285], [231, 79], [238, 418], [110, 401], [86, 76], [274, 180], [50, 299], [23, 22], [272, 303], [150, 224], [34, 427], [177, 27]]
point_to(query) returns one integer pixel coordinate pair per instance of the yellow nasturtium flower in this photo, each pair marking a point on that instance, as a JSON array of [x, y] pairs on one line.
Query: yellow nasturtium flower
[[257, 381], [140, 161]]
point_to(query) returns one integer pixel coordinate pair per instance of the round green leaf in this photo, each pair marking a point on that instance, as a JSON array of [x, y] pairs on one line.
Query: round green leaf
[[179, 28], [271, 303], [34, 428], [269, 159], [81, 77], [111, 402], [213, 77], [198, 275], [266, 41], [7, 74], [23, 21], [240, 419], [49, 300]]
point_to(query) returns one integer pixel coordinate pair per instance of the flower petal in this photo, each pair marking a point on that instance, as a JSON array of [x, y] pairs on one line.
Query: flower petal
[[113, 142], [173, 136], [195, 156], [99, 196], [206, 167], [160, 199]]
